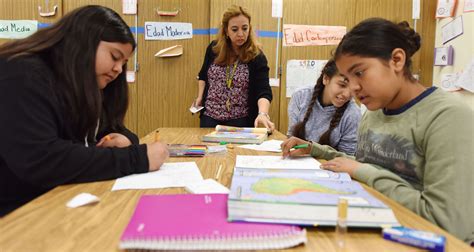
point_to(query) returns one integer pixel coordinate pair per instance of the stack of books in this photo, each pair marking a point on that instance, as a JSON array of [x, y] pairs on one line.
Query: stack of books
[[230, 134]]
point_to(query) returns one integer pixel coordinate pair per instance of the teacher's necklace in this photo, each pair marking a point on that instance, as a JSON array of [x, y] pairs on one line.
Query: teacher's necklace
[[229, 76]]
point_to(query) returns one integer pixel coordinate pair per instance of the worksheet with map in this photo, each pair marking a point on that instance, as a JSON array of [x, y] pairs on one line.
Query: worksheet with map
[[302, 196]]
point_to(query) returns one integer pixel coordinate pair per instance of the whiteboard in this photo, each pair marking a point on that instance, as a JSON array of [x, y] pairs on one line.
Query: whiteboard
[[301, 74]]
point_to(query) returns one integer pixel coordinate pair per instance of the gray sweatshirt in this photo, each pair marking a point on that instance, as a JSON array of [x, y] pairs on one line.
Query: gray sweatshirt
[[343, 137]]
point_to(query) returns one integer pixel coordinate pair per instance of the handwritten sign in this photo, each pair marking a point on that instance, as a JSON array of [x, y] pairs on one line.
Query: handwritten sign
[[301, 74], [168, 31], [17, 29], [305, 35]]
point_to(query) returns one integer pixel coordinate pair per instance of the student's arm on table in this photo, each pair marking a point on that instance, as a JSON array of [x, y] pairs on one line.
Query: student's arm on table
[[446, 198], [35, 152]]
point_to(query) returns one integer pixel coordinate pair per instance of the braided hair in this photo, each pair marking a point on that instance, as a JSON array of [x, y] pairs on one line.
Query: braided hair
[[299, 130]]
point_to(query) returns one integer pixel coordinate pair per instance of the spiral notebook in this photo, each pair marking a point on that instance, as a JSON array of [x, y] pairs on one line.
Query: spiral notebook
[[199, 222]]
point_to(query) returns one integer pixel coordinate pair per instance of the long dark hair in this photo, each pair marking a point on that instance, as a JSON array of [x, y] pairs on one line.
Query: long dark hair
[[69, 47], [377, 38], [299, 130]]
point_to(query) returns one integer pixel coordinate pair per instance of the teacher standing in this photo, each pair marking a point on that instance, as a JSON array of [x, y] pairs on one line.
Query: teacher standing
[[233, 82]]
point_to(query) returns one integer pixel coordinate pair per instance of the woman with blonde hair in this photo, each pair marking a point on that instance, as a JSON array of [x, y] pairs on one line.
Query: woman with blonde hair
[[233, 82]]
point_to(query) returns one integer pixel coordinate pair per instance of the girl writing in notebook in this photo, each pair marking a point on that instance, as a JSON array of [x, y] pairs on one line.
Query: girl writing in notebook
[[415, 143], [64, 98], [326, 113], [233, 82]]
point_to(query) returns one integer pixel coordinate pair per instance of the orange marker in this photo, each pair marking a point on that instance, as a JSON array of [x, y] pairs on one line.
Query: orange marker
[[107, 138]]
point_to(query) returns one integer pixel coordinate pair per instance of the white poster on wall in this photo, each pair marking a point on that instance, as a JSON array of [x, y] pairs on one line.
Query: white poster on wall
[[301, 74], [17, 29], [466, 79], [168, 30]]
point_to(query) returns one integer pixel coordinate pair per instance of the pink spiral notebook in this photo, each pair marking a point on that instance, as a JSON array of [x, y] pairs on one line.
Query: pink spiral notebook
[[199, 222]]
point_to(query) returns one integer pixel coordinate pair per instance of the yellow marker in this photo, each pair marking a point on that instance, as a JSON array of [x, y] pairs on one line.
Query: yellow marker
[[341, 226]]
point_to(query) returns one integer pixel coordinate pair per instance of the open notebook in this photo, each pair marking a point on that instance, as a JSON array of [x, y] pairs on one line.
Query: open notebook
[[199, 222]]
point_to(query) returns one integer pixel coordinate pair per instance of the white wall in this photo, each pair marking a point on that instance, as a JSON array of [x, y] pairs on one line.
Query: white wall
[[463, 50]]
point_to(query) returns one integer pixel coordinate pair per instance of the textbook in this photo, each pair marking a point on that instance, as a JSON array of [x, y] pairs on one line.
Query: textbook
[[236, 135], [187, 150], [302, 197], [199, 222]]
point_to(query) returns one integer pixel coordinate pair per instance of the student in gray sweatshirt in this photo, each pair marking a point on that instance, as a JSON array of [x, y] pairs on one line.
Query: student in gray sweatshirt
[[415, 144], [326, 114]]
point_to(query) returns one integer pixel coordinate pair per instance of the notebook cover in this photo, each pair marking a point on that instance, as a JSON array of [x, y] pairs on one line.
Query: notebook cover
[[177, 217]]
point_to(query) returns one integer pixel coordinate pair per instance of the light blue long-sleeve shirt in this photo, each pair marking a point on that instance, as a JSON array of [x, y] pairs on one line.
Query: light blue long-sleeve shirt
[[343, 137]]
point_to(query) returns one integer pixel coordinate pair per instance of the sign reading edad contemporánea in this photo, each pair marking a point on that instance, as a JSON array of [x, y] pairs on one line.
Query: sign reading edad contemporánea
[[305, 35]]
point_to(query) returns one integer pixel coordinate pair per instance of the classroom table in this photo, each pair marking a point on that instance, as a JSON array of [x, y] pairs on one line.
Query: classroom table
[[46, 224]]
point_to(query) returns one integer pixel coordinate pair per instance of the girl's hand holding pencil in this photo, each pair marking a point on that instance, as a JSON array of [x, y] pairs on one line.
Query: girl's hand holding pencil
[[294, 146], [157, 153]]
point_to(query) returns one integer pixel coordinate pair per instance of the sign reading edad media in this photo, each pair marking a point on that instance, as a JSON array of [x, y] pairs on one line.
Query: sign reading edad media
[[17, 29], [168, 31]]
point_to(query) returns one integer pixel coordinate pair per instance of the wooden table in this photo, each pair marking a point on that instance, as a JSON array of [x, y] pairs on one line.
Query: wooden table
[[46, 224]]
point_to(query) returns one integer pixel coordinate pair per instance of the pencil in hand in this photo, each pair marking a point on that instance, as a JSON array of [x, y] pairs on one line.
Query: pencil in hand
[[301, 146], [157, 135]]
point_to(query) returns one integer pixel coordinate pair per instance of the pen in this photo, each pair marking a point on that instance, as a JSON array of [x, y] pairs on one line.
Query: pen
[[301, 146], [218, 173], [341, 225], [157, 135]]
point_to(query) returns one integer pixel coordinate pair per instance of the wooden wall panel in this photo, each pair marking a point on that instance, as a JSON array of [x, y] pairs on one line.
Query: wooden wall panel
[[28, 10], [311, 12], [168, 86], [165, 87], [349, 13], [131, 119], [262, 20], [426, 26]]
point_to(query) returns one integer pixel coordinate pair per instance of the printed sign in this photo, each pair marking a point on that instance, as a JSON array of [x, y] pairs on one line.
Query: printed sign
[[305, 35], [168, 31], [17, 29]]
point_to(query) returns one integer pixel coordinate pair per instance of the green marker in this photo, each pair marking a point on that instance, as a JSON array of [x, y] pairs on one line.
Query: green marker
[[301, 146], [222, 143]]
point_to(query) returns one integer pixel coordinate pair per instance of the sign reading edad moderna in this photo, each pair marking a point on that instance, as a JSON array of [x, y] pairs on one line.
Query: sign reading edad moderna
[[168, 31], [305, 35], [17, 29]]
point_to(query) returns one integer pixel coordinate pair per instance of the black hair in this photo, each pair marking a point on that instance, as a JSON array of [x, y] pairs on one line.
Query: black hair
[[378, 37], [69, 47]]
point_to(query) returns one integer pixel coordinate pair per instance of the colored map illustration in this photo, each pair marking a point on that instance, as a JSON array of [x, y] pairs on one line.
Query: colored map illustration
[[297, 186], [289, 186]]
